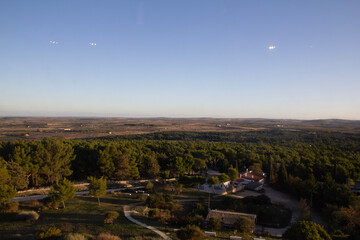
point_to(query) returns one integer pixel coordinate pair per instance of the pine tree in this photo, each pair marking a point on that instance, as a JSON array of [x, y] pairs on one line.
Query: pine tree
[[19, 178], [213, 181], [283, 175], [134, 170], [6, 193], [97, 187], [56, 157], [4, 174], [233, 174], [122, 168], [62, 191], [106, 160]]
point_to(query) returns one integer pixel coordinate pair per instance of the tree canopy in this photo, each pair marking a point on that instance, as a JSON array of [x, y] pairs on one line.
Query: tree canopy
[[306, 230], [62, 191], [97, 187]]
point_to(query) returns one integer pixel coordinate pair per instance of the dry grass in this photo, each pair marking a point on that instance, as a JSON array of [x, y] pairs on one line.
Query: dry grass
[[107, 236], [75, 236], [28, 216]]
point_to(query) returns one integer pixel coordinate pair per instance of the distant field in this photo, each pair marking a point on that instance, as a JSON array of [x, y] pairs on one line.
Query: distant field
[[13, 128]]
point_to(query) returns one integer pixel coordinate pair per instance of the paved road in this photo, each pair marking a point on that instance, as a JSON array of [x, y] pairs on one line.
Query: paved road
[[128, 216]]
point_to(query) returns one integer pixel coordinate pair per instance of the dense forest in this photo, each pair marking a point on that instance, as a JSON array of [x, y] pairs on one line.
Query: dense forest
[[317, 166]]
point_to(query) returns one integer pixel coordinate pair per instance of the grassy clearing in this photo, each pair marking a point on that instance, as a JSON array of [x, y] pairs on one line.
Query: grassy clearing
[[185, 194], [220, 234], [82, 214]]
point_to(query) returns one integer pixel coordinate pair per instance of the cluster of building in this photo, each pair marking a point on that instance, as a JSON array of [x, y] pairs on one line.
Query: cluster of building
[[251, 180], [246, 180]]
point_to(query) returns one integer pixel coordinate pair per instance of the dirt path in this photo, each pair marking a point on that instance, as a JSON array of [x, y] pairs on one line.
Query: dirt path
[[127, 213]]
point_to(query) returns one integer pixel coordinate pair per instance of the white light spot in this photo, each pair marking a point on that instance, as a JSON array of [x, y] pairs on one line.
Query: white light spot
[[54, 42], [92, 44], [272, 47]]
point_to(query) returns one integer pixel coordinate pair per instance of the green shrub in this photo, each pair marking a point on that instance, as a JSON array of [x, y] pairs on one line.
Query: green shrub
[[50, 203], [107, 236], [244, 225], [29, 216], [191, 232], [111, 216], [195, 220], [149, 186], [88, 236], [50, 233], [141, 197], [74, 236], [199, 209], [214, 223], [306, 230], [11, 207], [162, 215], [163, 201]]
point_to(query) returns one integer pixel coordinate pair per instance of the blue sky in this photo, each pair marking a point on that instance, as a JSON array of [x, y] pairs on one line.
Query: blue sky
[[180, 58]]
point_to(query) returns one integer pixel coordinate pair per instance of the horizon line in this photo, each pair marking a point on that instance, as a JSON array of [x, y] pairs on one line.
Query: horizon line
[[183, 117]]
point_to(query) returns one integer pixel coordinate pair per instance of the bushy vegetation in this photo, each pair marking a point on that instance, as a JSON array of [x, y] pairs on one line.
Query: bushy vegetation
[[50, 233], [149, 186], [74, 236], [111, 216], [306, 230], [162, 201], [62, 191], [6, 193], [191, 232], [214, 223], [244, 225], [11, 207], [49, 203], [107, 236], [162, 215], [29, 216]]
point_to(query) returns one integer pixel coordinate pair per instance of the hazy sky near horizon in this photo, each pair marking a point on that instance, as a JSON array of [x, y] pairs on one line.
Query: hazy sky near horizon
[[180, 58]]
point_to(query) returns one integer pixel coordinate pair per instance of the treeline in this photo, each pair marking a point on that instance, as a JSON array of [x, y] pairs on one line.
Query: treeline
[[306, 168], [324, 159], [345, 141], [313, 166]]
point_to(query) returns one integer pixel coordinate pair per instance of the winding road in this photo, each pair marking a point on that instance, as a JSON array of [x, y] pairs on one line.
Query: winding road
[[127, 213]]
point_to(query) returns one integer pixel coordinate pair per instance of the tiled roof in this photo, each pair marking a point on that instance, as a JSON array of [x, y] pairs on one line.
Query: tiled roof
[[250, 176]]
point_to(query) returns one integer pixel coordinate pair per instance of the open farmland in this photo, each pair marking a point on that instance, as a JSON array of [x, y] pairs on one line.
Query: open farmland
[[31, 128]]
